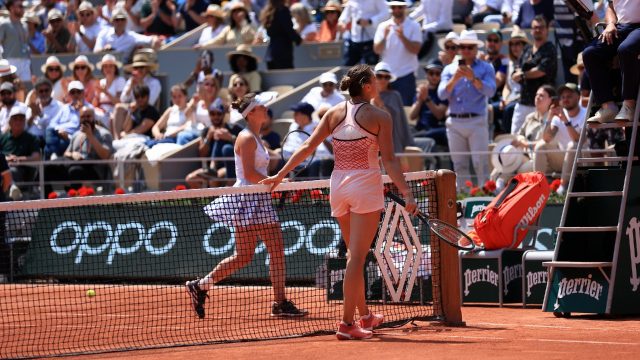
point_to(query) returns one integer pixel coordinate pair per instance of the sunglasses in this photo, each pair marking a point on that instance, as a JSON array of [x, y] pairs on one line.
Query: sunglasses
[[5, 93], [466, 47], [451, 47], [44, 90], [139, 67], [383, 77], [119, 19], [433, 73], [328, 84], [493, 40], [330, 12], [54, 21], [75, 92], [518, 43], [215, 113], [57, 69], [80, 67], [85, 14]]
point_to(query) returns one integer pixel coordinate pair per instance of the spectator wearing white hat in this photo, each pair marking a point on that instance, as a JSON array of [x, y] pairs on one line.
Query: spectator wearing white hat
[[398, 41], [89, 28], [82, 70], [363, 17], [43, 107], [119, 39], [110, 87], [36, 39], [53, 70], [9, 101], [14, 39], [467, 85], [60, 129], [326, 94], [58, 38], [8, 74], [448, 48], [17, 145]]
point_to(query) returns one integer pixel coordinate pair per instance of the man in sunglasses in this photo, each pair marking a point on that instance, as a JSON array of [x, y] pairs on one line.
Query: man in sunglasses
[[57, 36], [8, 102], [467, 84], [500, 62], [60, 129], [44, 108], [89, 27], [119, 39]]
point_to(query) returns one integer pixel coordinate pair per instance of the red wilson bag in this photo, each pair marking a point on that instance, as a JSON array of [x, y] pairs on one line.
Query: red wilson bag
[[518, 205]]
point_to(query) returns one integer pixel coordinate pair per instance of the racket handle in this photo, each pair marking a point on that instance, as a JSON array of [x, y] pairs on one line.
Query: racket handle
[[395, 198]]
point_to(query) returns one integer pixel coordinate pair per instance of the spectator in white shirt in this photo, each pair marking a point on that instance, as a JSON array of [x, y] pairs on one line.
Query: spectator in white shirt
[[437, 20], [44, 108], [141, 69], [489, 7], [119, 39], [303, 24], [398, 41], [326, 94], [215, 24], [89, 28], [110, 87], [363, 16]]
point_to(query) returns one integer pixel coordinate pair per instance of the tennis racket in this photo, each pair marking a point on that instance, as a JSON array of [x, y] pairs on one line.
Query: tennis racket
[[291, 142], [445, 231]]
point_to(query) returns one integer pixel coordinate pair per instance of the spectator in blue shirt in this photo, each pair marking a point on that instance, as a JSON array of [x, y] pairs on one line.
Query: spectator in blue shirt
[[467, 85], [61, 128], [428, 108], [530, 9], [36, 39]]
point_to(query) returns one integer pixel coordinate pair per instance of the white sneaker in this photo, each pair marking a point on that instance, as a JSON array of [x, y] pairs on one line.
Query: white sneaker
[[560, 190]]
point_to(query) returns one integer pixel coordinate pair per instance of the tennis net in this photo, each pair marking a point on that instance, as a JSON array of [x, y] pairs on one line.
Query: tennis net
[[99, 274]]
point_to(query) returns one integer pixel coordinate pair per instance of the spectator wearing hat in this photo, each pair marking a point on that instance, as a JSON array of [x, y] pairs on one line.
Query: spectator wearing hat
[[537, 67], [511, 90], [448, 48], [36, 39], [134, 123], [82, 70], [276, 19], [159, 17], [244, 62], [119, 39], [398, 41], [322, 166], [467, 85], [216, 141], [239, 30], [9, 101], [57, 36], [60, 129], [328, 31], [437, 19], [192, 13], [361, 18], [141, 69], [53, 70], [391, 101], [214, 16], [621, 37], [44, 108], [303, 24], [111, 85], [326, 94], [18, 145], [46, 6], [428, 110], [561, 134], [500, 62], [14, 39], [89, 28], [8, 74]]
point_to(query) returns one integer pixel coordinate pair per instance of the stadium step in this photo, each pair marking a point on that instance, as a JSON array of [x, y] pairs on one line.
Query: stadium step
[[594, 193]]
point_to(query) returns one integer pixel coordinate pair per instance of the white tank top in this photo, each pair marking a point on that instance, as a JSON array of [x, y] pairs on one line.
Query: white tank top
[[261, 161], [176, 118]]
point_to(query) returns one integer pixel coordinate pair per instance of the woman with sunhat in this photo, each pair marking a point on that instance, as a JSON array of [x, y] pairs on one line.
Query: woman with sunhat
[[141, 68], [328, 31], [244, 62], [53, 70], [82, 70], [449, 48], [214, 15], [110, 86], [8, 73], [239, 31]]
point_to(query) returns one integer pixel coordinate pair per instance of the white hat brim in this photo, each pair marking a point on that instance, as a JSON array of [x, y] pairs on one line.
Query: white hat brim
[[495, 157]]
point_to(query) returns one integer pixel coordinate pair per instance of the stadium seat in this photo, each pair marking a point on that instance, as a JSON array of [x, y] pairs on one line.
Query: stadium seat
[[485, 27], [164, 174], [281, 89]]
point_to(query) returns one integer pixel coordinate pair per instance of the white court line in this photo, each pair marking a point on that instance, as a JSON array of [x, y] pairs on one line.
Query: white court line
[[541, 340], [560, 327]]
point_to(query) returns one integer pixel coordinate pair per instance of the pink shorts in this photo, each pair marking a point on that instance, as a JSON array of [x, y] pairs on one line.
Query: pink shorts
[[357, 191]]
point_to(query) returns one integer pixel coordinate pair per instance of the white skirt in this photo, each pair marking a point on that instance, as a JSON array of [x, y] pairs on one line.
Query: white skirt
[[243, 210]]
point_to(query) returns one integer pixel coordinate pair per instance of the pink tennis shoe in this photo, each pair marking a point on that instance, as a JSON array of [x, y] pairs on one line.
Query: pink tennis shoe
[[352, 332], [371, 321]]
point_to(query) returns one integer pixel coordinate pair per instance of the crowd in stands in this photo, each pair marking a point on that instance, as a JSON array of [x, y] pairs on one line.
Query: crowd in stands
[[497, 76]]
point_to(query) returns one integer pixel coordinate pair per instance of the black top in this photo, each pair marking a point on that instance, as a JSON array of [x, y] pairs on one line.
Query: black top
[[147, 113], [157, 27], [3, 167], [282, 36], [198, 7], [426, 119], [544, 59], [24, 145], [528, 12]]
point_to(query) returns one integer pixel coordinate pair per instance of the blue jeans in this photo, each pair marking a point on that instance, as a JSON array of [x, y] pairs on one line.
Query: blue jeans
[[406, 86], [54, 143], [185, 136], [224, 149]]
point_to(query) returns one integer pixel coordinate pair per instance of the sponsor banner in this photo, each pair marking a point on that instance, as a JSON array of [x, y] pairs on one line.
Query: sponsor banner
[[481, 277], [582, 290], [153, 241], [535, 281], [626, 295]]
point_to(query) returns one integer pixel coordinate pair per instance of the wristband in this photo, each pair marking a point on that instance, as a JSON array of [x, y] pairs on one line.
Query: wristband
[[568, 123]]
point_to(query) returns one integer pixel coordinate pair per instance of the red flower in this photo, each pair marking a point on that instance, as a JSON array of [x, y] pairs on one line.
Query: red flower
[[296, 196], [276, 195], [424, 183], [82, 191], [90, 191], [72, 193], [52, 195], [555, 184], [474, 191], [181, 187], [468, 183], [316, 194], [120, 191], [490, 186]]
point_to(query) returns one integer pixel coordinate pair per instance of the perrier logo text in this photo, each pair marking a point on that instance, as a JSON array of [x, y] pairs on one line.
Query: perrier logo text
[[479, 275], [584, 286]]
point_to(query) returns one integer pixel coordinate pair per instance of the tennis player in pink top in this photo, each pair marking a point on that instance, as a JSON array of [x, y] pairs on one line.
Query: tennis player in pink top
[[360, 132]]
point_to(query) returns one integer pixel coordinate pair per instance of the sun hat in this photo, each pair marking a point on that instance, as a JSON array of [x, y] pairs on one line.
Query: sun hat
[[75, 85], [52, 61], [215, 11], [507, 158], [108, 59], [575, 69], [81, 59], [469, 37], [451, 36], [141, 59], [328, 77], [6, 68], [18, 109], [383, 67], [244, 50]]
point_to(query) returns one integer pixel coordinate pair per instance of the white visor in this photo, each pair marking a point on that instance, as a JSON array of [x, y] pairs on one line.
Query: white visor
[[260, 99]]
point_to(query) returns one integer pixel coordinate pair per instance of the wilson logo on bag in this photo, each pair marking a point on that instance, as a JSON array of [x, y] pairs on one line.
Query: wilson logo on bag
[[517, 206]]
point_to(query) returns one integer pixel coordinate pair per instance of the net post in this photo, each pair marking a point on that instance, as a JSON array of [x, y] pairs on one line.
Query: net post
[[449, 269]]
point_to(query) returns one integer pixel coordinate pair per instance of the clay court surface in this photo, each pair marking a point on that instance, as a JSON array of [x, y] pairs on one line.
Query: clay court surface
[[491, 333]]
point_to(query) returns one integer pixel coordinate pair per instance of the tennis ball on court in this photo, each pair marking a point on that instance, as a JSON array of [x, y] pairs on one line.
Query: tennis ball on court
[[91, 293]]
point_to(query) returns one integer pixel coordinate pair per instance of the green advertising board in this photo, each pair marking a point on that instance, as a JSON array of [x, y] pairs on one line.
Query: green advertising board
[[482, 276], [173, 241], [626, 299], [535, 281], [578, 290]]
